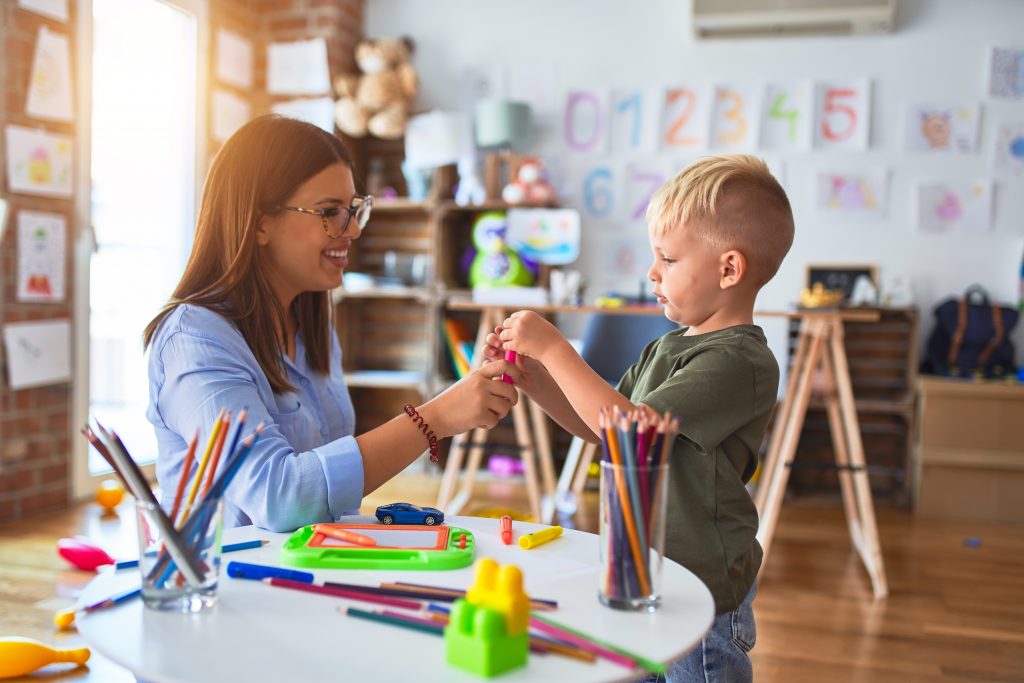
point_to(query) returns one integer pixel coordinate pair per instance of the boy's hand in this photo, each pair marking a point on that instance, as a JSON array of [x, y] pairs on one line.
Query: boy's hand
[[531, 370], [529, 334]]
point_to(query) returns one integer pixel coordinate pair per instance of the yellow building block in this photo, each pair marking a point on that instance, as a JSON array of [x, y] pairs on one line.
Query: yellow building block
[[500, 587]]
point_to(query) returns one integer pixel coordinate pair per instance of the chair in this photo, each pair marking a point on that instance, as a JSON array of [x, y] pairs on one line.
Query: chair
[[611, 343]]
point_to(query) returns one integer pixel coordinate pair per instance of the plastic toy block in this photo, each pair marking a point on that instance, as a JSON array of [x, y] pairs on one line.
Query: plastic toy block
[[500, 587], [477, 640]]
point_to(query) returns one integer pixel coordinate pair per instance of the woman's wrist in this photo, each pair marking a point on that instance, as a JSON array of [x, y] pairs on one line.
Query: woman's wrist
[[421, 420]]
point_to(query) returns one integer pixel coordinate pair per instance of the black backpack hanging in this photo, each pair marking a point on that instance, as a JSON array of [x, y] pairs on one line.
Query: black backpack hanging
[[972, 337]]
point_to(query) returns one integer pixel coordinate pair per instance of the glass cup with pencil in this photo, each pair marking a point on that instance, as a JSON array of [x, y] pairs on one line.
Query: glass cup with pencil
[[179, 550], [634, 479]]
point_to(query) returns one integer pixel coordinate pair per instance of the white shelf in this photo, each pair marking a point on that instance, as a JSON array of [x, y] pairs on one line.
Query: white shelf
[[385, 379]]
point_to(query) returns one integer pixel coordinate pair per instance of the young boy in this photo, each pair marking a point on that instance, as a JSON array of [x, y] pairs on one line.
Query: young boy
[[718, 232]]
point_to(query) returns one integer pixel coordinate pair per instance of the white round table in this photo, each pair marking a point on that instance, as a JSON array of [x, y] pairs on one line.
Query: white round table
[[260, 633]]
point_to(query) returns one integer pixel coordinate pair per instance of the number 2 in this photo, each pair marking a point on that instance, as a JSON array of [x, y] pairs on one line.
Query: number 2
[[674, 135]]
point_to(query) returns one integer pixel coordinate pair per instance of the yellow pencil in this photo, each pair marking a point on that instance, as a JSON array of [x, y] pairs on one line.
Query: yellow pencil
[[215, 458], [202, 466]]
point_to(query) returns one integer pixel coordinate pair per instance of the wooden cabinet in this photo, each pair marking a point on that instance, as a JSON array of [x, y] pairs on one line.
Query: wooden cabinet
[[969, 456], [883, 370]]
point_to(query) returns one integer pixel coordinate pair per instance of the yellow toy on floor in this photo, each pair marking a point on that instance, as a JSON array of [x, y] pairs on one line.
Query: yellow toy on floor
[[19, 656]]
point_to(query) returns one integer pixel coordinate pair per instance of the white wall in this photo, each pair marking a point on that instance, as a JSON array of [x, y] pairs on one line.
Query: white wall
[[937, 54]]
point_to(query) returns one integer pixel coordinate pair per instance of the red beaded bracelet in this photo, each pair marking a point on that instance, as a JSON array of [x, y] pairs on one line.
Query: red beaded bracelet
[[425, 428]]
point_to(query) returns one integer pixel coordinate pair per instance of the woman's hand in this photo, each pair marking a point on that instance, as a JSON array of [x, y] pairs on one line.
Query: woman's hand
[[477, 400], [529, 334]]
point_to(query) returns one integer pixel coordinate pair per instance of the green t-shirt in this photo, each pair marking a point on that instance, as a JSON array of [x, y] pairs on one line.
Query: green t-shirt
[[722, 386]]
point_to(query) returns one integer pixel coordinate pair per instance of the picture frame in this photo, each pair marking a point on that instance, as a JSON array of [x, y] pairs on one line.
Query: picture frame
[[840, 276]]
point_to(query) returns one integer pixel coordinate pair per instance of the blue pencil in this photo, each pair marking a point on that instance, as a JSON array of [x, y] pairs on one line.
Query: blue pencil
[[229, 548]]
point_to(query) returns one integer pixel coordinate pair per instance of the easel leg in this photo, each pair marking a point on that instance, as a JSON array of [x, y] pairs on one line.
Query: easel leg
[[529, 457], [580, 481], [476, 452], [794, 421], [542, 442], [771, 460], [870, 550], [839, 444]]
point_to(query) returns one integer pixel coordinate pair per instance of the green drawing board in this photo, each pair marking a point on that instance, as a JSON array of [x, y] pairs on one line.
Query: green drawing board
[[399, 546]]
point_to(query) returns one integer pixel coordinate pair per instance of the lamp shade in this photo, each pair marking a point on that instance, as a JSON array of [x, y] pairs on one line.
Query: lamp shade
[[502, 123], [437, 138]]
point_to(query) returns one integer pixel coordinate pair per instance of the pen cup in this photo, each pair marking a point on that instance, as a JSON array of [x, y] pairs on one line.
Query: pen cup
[[632, 522], [164, 586]]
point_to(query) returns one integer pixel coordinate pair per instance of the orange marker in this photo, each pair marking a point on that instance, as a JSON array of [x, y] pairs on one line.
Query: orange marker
[[506, 529], [343, 534]]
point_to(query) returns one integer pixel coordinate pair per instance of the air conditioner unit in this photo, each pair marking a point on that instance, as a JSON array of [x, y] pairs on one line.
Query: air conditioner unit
[[761, 18]]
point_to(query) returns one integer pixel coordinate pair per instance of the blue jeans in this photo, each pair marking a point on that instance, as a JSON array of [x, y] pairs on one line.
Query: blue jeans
[[722, 656]]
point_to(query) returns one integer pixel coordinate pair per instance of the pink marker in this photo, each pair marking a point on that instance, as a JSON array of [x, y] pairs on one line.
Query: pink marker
[[510, 356]]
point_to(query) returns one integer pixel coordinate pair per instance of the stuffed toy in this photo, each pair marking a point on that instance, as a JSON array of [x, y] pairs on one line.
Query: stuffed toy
[[378, 100], [495, 264], [529, 187]]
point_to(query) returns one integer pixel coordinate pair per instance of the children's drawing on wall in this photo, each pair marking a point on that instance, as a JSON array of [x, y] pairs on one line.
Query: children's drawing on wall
[[932, 128], [41, 245], [38, 163], [1009, 153], [952, 206], [49, 90], [549, 236], [842, 114], [860, 195], [1006, 72], [786, 118], [735, 121]]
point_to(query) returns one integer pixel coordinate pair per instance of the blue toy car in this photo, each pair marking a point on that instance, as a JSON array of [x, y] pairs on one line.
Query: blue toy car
[[406, 513]]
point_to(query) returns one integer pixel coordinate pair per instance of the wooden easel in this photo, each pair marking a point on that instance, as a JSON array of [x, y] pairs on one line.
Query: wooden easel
[[820, 347], [529, 443]]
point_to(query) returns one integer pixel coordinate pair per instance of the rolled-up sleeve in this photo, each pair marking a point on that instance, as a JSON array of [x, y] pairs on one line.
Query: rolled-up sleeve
[[277, 487]]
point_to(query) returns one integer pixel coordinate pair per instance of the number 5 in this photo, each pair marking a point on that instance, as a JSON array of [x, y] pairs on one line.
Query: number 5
[[835, 108]]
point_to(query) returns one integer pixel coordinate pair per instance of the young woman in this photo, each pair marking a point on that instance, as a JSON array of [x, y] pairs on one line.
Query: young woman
[[249, 326]]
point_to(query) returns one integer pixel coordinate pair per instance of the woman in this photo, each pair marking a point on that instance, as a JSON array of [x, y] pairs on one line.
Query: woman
[[249, 326]]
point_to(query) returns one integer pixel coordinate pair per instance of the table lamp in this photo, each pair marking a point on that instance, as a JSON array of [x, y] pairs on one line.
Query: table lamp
[[432, 141], [501, 125]]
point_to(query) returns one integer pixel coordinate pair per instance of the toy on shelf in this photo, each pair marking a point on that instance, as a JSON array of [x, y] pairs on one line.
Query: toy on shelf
[[495, 264], [83, 554], [470, 190], [504, 465], [109, 495], [819, 297], [487, 632], [529, 186], [20, 656], [378, 100], [406, 513]]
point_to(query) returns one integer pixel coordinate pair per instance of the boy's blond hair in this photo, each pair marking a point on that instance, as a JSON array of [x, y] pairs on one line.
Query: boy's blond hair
[[731, 201]]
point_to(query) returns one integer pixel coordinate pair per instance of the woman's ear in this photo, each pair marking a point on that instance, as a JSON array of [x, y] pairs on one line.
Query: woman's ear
[[733, 268], [263, 230]]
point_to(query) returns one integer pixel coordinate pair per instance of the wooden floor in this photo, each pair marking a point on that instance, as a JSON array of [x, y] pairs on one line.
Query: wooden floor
[[955, 613]]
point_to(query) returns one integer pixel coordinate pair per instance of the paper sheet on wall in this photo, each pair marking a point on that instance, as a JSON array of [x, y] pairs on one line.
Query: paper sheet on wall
[[55, 9], [942, 128], [41, 249], [550, 236], [298, 68], [38, 163], [319, 111], [734, 117], [230, 112], [1009, 153], [952, 206], [787, 116], [1006, 72], [842, 114], [858, 194], [38, 353], [234, 59], [49, 91]]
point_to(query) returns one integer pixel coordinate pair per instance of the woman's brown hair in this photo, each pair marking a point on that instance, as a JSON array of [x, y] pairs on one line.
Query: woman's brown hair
[[253, 174]]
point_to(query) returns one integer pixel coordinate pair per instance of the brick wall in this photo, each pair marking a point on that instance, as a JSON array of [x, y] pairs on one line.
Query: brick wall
[[35, 434]]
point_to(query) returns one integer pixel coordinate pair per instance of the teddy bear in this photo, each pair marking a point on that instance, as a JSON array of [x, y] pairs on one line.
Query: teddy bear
[[529, 187], [378, 100]]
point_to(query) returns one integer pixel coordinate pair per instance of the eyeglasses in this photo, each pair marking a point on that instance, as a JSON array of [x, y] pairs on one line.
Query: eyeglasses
[[336, 219]]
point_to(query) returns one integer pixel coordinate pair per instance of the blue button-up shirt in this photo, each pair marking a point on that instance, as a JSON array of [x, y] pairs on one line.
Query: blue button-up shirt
[[306, 466]]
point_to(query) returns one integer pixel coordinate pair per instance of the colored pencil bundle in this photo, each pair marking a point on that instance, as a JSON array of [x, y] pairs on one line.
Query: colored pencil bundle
[[186, 535], [636, 449]]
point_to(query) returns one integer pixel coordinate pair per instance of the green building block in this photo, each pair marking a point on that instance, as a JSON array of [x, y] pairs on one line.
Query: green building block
[[476, 640]]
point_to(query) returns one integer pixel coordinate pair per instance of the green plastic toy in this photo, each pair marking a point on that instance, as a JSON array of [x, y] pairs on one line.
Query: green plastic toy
[[302, 550], [477, 640]]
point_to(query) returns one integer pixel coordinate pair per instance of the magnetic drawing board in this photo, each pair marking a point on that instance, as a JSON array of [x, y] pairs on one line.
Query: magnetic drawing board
[[399, 546]]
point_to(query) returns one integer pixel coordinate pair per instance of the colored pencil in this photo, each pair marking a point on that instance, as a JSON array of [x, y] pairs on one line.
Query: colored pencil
[[229, 548], [536, 603], [627, 513], [437, 630], [215, 458], [186, 466], [341, 593], [203, 463], [591, 644]]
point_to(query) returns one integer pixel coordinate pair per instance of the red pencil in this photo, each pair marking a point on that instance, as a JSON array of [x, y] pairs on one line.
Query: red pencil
[[341, 593], [185, 467]]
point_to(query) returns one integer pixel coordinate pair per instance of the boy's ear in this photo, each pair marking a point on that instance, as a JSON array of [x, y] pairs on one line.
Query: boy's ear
[[732, 268]]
